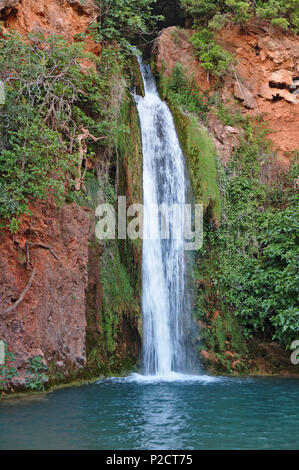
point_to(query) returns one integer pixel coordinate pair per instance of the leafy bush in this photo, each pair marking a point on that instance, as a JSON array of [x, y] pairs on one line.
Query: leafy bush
[[36, 379], [212, 57], [7, 371], [50, 97], [281, 13], [123, 21], [183, 92], [214, 15], [257, 244]]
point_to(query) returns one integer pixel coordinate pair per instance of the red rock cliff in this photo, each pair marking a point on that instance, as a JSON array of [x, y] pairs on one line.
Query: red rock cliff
[[50, 321], [265, 79]]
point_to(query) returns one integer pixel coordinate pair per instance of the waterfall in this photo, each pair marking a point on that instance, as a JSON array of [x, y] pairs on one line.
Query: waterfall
[[166, 314]]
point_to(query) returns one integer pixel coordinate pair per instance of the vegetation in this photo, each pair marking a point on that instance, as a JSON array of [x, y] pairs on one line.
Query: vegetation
[[189, 110], [35, 378], [258, 257], [125, 22], [210, 16], [216, 12], [213, 57], [7, 370], [118, 294], [52, 102], [184, 93], [256, 244]]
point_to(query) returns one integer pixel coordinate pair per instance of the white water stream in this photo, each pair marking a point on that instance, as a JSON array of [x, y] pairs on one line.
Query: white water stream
[[166, 315]]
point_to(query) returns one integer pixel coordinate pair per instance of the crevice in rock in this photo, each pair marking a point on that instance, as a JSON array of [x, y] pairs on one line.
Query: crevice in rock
[[257, 49], [294, 88], [276, 98], [280, 86]]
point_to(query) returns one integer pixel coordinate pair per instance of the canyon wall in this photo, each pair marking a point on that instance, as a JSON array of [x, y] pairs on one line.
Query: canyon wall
[[264, 80], [79, 299], [65, 296]]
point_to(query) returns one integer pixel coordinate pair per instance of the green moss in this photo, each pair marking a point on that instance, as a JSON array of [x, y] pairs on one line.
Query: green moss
[[114, 311], [130, 151], [134, 74], [189, 109], [118, 295], [200, 153]]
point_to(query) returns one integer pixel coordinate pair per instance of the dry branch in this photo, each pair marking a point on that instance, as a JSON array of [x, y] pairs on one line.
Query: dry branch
[[38, 245], [14, 306], [82, 152]]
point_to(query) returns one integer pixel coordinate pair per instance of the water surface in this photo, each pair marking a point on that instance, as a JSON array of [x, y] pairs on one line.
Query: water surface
[[138, 413]]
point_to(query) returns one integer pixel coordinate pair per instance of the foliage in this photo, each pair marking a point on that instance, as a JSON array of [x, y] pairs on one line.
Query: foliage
[[266, 291], [184, 93], [213, 57], [36, 379], [189, 108], [118, 294], [123, 21], [257, 243], [50, 98], [282, 13], [7, 371]]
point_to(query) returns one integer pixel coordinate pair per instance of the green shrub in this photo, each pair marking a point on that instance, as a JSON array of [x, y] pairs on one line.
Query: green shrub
[[267, 289], [50, 98], [282, 13], [184, 93], [7, 370], [124, 21], [36, 379], [257, 244], [213, 57]]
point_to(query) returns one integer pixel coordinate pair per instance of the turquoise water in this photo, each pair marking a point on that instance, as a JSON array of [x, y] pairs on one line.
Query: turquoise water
[[204, 413]]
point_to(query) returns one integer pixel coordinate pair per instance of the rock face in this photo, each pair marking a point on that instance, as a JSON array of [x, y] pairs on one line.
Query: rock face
[[173, 46], [8, 3], [67, 17], [267, 68], [264, 79], [50, 321], [226, 138]]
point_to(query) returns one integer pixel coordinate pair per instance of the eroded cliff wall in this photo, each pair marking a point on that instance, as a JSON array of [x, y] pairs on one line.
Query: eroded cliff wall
[[264, 80], [65, 296]]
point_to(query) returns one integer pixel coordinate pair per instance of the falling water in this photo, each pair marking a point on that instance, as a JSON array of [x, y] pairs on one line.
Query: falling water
[[166, 315]]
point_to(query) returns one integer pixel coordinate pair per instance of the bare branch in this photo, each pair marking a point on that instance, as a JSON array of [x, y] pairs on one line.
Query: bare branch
[[38, 245], [14, 306]]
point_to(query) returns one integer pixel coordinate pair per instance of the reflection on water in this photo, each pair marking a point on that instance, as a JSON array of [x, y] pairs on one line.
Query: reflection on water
[[133, 413]]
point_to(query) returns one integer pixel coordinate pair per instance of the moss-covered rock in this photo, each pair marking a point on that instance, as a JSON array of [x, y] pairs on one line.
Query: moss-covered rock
[[114, 310], [200, 156]]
